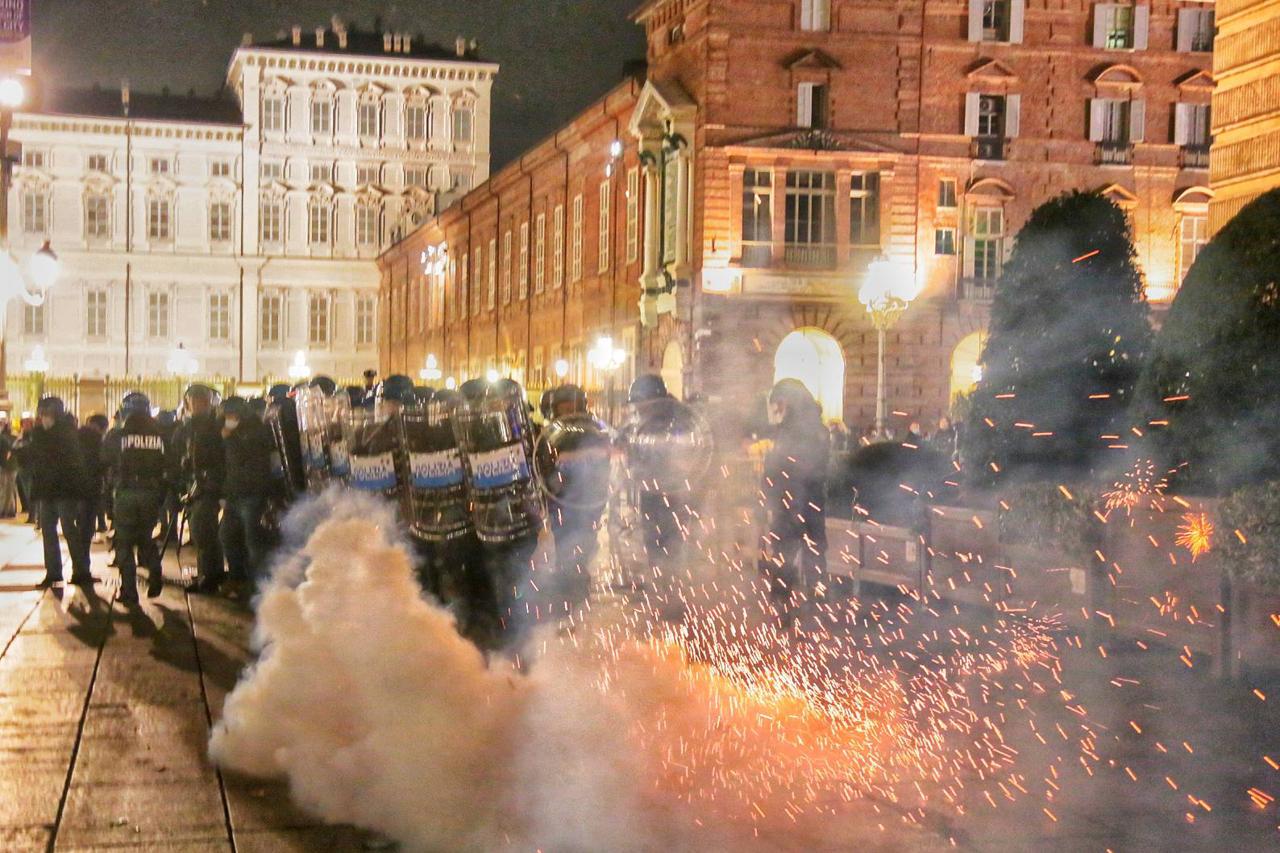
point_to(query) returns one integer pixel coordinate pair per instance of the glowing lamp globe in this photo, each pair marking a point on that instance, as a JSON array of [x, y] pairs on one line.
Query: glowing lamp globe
[[12, 93], [45, 267]]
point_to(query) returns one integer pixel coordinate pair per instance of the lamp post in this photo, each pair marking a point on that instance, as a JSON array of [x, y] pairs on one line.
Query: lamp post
[[182, 363], [299, 369], [431, 372], [607, 358], [886, 293]]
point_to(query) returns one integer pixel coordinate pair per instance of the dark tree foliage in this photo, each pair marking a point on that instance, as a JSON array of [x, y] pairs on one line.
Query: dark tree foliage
[[1069, 335], [1214, 373]]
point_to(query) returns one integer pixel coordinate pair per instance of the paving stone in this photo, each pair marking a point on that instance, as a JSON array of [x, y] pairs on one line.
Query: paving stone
[[142, 744], [263, 804], [29, 796], [162, 812], [26, 680], [327, 838], [28, 839]]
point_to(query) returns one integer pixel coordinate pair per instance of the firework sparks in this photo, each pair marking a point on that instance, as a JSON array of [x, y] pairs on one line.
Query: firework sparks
[[1195, 533]]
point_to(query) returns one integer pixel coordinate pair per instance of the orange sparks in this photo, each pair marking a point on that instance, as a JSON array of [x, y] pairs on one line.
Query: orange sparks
[[1086, 256], [1195, 533]]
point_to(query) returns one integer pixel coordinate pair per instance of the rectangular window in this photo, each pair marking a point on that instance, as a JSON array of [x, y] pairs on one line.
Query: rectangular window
[[991, 116], [606, 206], [157, 314], [219, 316], [95, 314], [321, 116], [318, 223], [461, 181], [1191, 125], [811, 105], [540, 254], [757, 217], [815, 15], [158, 166], [522, 283], [367, 115], [947, 193], [988, 243], [633, 214], [557, 246], [1195, 30], [1194, 234], [35, 210], [464, 285], [220, 222], [416, 126], [32, 319], [575, 249], [219, 169], [33, 159], [810, 219], [493, 274], [506, 267], [272, 170], [99, 163], [273, 113], [272, 220], [366, 319], [995, 20], [321, 173], [1116, 124], [462, 125], [158, 219], [944, 241], [318, 319], [270, 317], [417, 176], [1121, 26], [864, 209], [367, 175], [366, 225]]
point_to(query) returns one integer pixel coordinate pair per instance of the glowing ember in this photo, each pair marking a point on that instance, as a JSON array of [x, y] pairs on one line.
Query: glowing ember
[[1195, 533]]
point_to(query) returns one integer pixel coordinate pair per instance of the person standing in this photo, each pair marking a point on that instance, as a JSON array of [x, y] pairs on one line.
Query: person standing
[[8, 473], [793, 484], [203, 464], [246, 486], [58, 488], [136, 454], [90, 436]]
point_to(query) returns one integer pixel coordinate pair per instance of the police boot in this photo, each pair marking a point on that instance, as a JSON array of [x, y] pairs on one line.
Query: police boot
[[155, 582]]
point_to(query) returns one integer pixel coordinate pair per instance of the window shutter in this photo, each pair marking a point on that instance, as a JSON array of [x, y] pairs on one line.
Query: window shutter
[[1017, 13], [971, 100], [1186, 29], [968, 257], [1103, 13], [1137, 121], [1141, 26], [1012, 119], [806, 14], [1180, 121], [804, 105], [1097, 113], [975, 20], [822, 15]]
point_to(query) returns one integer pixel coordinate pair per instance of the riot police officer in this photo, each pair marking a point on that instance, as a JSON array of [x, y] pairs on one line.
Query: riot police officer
[[199, 445], [282, 419], [137, 454], [59, 485], [246, 488]]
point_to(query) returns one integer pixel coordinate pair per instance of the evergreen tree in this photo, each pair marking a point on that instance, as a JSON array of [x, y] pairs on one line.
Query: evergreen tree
[[1069, 335], [1214, 374]]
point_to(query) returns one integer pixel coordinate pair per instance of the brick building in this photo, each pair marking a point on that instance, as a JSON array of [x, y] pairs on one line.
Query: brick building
[[1246, 106], [775, 150]]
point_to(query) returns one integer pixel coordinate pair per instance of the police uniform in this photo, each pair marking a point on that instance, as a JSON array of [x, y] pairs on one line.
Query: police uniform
[[199, 441], [137, 452]]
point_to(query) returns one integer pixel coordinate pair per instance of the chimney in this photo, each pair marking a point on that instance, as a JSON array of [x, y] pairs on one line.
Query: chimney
[[246, 39], [319, 36], [460, 46], [408, 43], [386, 42], [297, 36]]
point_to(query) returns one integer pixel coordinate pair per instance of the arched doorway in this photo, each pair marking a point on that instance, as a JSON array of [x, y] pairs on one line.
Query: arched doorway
[[966, 365], [814, 357], [673, 369]]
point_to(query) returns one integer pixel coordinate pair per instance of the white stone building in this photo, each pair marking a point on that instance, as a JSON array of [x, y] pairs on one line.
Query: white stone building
[[243, 230]]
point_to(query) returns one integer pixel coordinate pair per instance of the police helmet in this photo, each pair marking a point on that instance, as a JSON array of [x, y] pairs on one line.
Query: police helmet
[[135, 403], [474, 389], [258, 406], [326, 385], [544, 404], [235, 407], [51, 406], [647, 387], [423, 395], [278, 393], [396, 388], [199, 391], [355, 396], [569, 395]]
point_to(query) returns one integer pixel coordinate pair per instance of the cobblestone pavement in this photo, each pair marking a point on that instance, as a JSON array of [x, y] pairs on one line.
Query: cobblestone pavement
[[105, 714]]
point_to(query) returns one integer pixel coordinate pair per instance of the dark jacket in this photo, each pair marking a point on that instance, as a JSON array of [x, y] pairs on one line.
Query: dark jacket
[[91, 451], [56, 462], [202, 455], [137, 454], [248, 460], [795, 478]]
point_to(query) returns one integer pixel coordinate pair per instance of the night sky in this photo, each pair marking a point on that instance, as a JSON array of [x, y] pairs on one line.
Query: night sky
[[556, 55]]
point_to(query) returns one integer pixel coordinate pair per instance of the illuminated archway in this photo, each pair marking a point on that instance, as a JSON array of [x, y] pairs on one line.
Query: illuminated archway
[[673, 369], [966, 367], [814, 357]]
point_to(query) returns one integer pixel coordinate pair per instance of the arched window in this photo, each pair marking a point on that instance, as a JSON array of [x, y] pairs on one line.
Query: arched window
[[814, 357]]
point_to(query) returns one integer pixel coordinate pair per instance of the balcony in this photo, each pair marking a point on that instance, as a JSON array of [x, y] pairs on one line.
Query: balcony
[[809, 256], [1195, 156], [1113, 154], [757, 255], [977, 289], [988, 148]]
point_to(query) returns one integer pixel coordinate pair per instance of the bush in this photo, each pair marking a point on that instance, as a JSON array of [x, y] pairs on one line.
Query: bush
[[1254, 511], [1069, 336], [1214, 373], [1042, 515]]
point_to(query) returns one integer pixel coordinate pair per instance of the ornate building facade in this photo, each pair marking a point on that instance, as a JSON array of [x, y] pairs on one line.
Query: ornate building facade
[[779, 148], [1246, 106], [244, 229]]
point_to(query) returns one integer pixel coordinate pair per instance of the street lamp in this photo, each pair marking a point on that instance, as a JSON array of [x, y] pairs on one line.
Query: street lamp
[[451, 383], [491, 375], [562, 368], [607, 358], [299, 369], [431, 372], [886, 292], [37, 363], [30, 285], [182, 363]]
